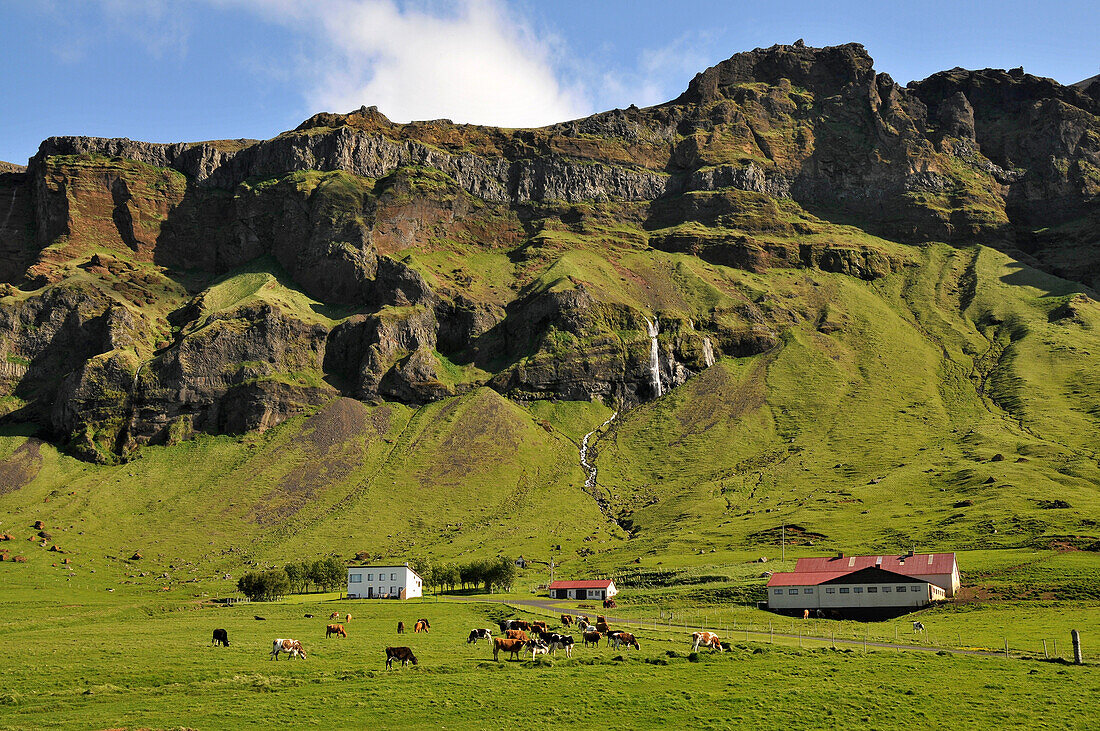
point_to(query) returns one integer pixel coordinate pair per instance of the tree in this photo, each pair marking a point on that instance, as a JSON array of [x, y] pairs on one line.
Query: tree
[[423, 566], [296, 576], [264, 586], [502, 574]]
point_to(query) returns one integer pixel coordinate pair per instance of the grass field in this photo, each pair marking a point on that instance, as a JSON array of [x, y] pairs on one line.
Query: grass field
[[103, 660]]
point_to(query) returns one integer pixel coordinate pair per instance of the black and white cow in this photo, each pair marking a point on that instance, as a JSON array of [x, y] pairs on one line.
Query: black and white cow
[[479, 634]]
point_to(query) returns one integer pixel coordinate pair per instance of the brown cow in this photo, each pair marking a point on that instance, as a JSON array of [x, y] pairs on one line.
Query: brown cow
[[705, 639], [400, 628], [805, 614], [609, 604], [601, 618], [427, 626], [516, 634], [514, 647], [539, 627], [347, 619], [335, 629], [591, 638], [566, 620], [421, 626], [627, 639], [602, 627], [334, 615]]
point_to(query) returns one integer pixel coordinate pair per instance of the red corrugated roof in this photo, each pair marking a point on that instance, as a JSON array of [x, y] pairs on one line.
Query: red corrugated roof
[[599, 584], [804, 579], [917, 565]]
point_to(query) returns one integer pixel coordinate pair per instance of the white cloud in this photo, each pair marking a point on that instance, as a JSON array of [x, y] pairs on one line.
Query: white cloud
[[469, 60]]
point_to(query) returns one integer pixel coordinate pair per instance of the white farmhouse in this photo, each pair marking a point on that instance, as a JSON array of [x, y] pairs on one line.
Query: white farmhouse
[[384, 582]]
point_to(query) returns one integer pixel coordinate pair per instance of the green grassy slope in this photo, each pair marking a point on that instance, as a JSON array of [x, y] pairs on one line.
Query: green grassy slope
[[944, 406]]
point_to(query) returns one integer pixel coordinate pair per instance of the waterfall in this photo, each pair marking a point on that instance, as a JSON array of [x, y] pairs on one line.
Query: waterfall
[[708, 352], [654, 360], [590, 469], [11, 207]]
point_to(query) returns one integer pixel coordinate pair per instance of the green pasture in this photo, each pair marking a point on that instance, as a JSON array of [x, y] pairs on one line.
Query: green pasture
[[101, 660]]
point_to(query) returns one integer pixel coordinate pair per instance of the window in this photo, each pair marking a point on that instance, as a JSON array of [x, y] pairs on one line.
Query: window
[[914, 588], [355, 578], [370, 577], [393, 577], [843, 590], [808, 590], [792, 591], [830, 590], [899, 589], [393, 589], [872, 590], [885, 590], [777, 591], [857, 590]]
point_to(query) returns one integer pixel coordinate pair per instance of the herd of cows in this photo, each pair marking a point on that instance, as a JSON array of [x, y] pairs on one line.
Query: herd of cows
[[519, 637]]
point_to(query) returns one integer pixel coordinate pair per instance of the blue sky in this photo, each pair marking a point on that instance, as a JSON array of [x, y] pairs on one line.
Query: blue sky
[[211, 69]]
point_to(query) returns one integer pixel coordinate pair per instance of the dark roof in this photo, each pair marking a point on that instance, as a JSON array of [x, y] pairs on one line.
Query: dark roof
[[872, 575]]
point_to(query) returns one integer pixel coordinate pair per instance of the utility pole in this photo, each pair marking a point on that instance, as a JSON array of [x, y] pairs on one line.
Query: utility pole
[[783, 540]]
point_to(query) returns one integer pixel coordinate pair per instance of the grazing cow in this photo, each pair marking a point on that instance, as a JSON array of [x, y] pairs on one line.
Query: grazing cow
[[293, 648], [334, 615], [609, 604], [584, 618], [600, 619], [479, 634], [611, 637], [309, 616], [819, 613], [705, 639], [335, 629], [539, 627], [626, 639], [347, 619], [566, 620], [537, 647], [918, 626], [423, 621], [516, 634], [514, 647], [404, 654], [400, 628], [805, 614], [592, 638], [562, 642], [602, 627], [221, 637], [548, 636], [420, 626]]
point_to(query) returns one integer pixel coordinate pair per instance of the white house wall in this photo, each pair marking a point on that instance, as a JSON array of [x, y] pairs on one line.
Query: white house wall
[[383, 582], [819, 596]]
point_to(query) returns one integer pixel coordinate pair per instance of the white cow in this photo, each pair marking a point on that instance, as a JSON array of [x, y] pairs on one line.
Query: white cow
[[538, 647], [293, 648], [918, 626]]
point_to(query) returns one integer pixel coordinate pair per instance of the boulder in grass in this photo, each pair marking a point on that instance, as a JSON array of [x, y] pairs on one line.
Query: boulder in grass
[[136, 557]]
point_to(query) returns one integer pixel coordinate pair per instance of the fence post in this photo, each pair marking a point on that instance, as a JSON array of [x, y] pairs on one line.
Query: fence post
[[1077, 659], [800, 637], [1045, 655], [1056, 647], [1006, 648]]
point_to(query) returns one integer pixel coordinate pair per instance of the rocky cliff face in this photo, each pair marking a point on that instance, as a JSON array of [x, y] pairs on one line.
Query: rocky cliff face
[[152, 291]]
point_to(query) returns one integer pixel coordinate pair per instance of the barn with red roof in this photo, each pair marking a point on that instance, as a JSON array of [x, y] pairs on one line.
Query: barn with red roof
[[852, 585]]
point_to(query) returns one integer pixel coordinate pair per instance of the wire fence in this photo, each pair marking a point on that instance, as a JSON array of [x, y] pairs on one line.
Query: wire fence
[[813, 633]]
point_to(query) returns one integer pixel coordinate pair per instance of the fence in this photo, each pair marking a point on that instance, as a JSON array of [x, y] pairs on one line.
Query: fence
[[819, 633]]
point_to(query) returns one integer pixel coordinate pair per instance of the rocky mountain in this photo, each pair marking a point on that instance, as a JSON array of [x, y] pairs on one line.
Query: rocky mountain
[[152, 291]]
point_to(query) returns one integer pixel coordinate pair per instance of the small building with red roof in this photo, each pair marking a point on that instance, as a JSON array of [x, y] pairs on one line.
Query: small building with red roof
[[593, 589]]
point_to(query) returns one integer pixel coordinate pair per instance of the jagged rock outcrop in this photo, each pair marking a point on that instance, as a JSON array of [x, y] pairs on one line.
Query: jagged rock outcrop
[[152, 290]]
